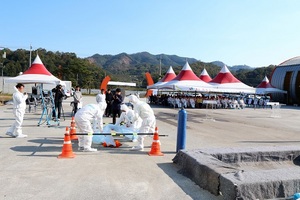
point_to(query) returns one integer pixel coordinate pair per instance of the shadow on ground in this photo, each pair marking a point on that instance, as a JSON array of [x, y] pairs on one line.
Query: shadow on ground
[[188, 186]]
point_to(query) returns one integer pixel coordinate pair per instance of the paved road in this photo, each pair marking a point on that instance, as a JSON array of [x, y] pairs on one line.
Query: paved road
[[30, 168]]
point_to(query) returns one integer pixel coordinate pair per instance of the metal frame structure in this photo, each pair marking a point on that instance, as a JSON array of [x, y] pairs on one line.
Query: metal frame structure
[[48, 107]]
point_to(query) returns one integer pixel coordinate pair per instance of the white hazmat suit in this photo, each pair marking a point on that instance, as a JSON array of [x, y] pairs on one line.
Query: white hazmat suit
[[83, 119], [132, 124], [145, 112], [100, 98], [127, 123], [130, 119], [19, 107]]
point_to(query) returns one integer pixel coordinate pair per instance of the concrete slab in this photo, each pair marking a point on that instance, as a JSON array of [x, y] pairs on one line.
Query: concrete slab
[[244, 173], [30, 169]]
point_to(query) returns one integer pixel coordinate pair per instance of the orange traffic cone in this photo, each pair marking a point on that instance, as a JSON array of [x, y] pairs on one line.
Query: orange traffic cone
[[104, 144], [73, 129], [155, 148], [67, 151], [118, 143]]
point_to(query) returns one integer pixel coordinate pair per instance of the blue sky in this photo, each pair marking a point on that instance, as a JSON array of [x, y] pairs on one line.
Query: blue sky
[[252, 32]]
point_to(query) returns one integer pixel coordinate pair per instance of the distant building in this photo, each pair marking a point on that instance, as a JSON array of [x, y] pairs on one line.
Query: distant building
[[286, 76]]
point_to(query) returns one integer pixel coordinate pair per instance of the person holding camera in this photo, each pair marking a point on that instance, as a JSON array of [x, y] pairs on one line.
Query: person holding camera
[[116, 104], [59, 95], [19, 107]]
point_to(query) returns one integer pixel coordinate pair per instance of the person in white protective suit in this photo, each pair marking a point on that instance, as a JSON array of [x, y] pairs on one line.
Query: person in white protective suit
[[100, 98], [128, 122], [129, 118], [145, 112], [192, 102], [83, 119], [19, 107]]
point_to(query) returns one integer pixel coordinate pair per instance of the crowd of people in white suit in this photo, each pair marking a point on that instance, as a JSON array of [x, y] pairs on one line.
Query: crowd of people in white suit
[[201, 101]]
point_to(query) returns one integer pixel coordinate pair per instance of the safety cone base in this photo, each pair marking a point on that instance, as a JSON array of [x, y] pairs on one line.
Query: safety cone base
[[156, 154], [67, 151], [155, 150], [66, 156]]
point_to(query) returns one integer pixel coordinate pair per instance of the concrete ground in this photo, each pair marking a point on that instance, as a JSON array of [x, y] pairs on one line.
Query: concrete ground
[[30, 169]]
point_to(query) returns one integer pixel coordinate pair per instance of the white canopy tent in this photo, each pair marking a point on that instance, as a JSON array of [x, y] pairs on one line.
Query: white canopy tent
[[37, 73], [265, 87], [204, 76], [168, 76], [225, 82], [186, 80]]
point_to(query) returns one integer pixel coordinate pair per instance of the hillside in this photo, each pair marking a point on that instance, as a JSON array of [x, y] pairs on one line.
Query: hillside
[[89, 72], [123, 61], [132, 67], [233, 68]]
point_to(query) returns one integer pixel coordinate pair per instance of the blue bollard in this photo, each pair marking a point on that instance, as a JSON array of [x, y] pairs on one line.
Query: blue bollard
[[296, 196], [181, 130]]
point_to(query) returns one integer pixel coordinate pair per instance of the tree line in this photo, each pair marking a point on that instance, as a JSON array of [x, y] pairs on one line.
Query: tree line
[[65, 66], [83, 72]]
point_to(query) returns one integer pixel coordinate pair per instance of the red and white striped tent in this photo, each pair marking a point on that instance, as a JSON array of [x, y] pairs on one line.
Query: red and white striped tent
[[168, 76], [265, 87], [187, 80], [225, 82], [37, 73], [204, 76]]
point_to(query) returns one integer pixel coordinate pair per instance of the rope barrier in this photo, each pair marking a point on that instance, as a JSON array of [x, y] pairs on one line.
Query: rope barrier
[[117, 134]]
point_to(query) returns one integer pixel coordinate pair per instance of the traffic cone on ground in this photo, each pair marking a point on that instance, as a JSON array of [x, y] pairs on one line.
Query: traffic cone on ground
[[73, 121], [104, 144], [73, 129], [67, 151], [118, 143], [155, 148]]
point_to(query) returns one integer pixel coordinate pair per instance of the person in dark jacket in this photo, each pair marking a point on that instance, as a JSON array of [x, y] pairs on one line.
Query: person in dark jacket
[[59, 95], [108, 99], [116, 104]]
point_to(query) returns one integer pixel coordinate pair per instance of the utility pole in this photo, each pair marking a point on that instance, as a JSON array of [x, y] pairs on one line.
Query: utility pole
[[160, 67], [30, 55]]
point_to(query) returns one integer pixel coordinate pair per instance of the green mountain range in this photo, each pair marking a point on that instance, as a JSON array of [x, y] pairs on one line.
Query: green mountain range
[[124, 61], [89, 72]]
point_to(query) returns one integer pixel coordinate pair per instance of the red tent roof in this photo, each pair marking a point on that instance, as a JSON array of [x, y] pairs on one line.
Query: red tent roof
[[186, 80], [265, 87], [186, 74], [169, 75], [265, 84], [37, 67], [225, 76], [204, 76]]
